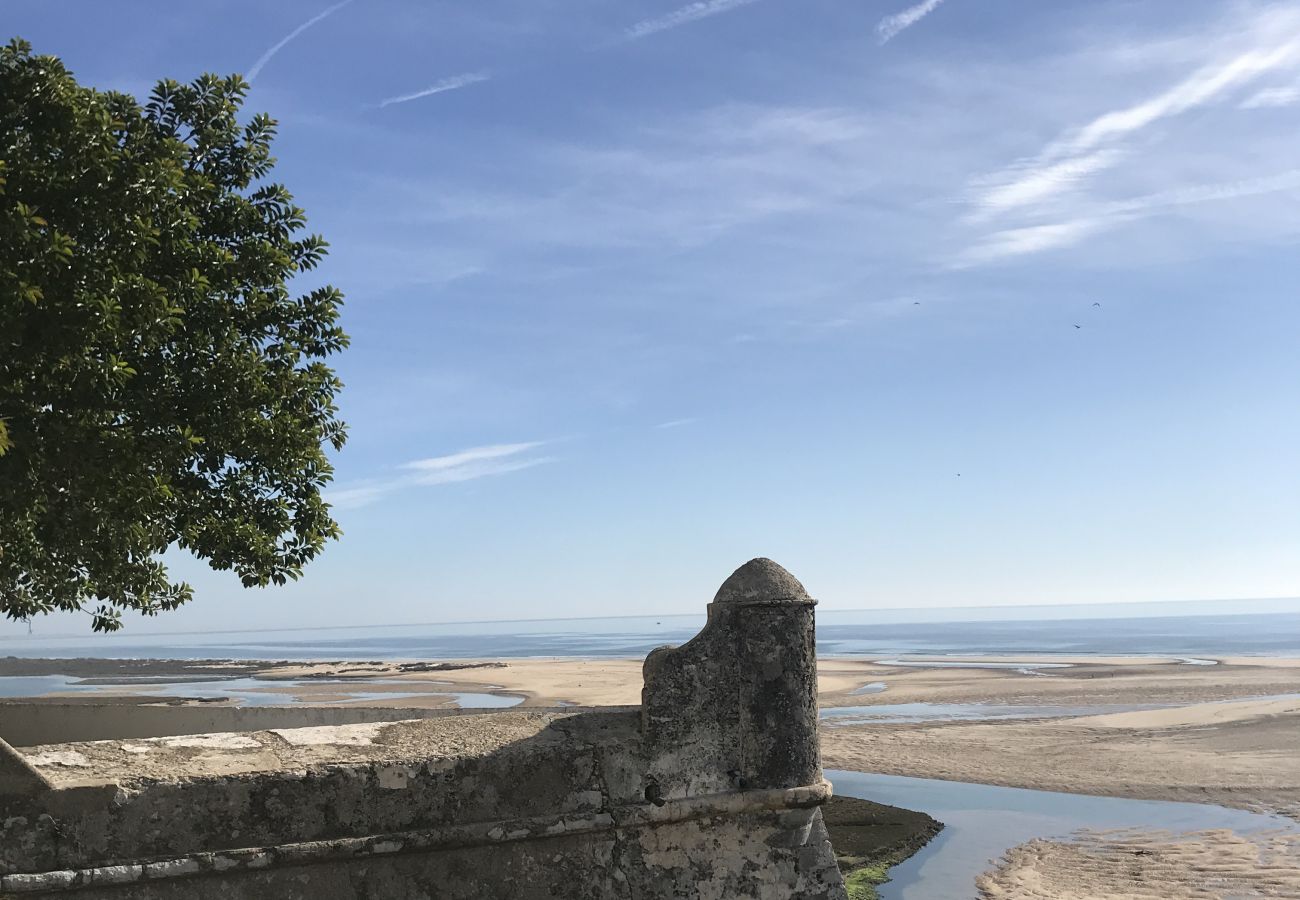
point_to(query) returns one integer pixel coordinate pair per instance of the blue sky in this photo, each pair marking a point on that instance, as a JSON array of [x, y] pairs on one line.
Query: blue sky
[[956, 303]]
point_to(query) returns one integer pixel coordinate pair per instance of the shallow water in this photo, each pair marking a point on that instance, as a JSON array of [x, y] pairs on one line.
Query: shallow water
[[247, 691], [1027, 668], [983, 822], [875, 687], [903, 713], [40, 685]]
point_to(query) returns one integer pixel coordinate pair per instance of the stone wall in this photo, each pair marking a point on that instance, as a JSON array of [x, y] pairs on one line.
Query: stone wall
[[711, 789]]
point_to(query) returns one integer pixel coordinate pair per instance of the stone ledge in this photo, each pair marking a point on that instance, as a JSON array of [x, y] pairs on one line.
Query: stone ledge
[[422, 841], [226, 754]]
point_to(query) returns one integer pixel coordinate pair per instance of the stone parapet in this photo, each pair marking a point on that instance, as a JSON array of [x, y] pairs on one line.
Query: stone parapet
[[711, 789]]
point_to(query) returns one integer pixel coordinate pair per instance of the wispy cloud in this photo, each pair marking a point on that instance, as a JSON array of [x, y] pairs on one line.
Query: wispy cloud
[[1043, 181], [1014, 242], [768, 204], [1057, 197], [680, 181], [1092, 147], [359, 494], [464, 465], [447, 84], [677, 423], [266, 57], [692, 12], [889, 27], [475, 462], [1203, 193], [1272, 97], [1199, 88]]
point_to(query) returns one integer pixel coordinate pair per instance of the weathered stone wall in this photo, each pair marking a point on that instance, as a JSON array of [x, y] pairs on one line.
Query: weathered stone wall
[[711, 789]]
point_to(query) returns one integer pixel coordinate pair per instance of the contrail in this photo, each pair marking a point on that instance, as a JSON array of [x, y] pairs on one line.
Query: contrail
[[447, 84], [266, 57], [689, 13], [890, 26]]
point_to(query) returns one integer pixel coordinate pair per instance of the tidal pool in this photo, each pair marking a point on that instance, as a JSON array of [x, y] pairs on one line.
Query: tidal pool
[[1024, 668], [246, 691], [910, 713], [875, 687], [982, 822]]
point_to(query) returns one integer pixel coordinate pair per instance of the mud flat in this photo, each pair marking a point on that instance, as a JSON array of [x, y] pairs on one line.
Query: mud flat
[[871, 838]]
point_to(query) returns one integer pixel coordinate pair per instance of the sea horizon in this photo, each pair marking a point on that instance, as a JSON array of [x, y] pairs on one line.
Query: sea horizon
[[840, 633]]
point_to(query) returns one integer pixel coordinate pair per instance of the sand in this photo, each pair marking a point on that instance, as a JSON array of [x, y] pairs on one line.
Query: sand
[[1149, 866], [1239, 754], [1223, 712], [1209, 746], [538, 682]]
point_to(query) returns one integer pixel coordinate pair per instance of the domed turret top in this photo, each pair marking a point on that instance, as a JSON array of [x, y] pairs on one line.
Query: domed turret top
[[761, 580]]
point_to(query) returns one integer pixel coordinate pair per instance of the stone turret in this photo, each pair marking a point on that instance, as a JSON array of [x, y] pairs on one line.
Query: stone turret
[[736, 706]]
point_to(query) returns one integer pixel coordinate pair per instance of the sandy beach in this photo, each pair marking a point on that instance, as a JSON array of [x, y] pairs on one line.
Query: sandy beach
[[540, 682], [1149, 866], [1210, 743]]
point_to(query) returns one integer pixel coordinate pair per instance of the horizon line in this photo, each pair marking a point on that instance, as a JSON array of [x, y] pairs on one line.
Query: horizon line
[[884, 609]]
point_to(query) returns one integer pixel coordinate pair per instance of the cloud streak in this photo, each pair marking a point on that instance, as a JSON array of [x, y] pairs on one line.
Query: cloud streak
[[266, 57], [453, 83], [1091, 148], [1272, 97], [891, 26], [1014, 242], [453, 468], [692, 12], [1043, 181], [474, 462]]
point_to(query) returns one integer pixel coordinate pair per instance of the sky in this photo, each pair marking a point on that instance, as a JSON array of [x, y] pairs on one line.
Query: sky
[[959, 303]]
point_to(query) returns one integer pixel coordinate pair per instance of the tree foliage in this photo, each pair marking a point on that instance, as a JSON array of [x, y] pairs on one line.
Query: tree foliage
[[160, 385]]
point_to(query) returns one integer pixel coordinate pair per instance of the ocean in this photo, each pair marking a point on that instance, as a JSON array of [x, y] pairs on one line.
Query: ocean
[[839, 633]]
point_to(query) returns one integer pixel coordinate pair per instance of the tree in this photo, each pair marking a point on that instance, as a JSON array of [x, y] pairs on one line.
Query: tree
[[160, 385]]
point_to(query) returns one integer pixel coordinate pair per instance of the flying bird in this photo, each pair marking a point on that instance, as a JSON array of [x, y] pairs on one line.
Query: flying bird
[[1096, 304], [1078, 326]]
